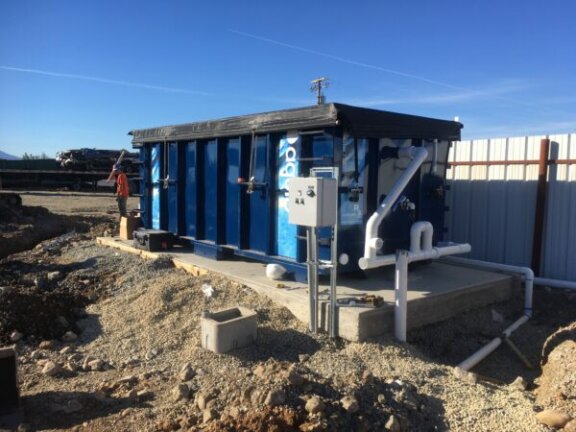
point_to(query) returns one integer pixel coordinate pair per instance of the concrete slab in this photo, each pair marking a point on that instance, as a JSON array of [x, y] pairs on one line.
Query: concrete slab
[[436, 291]]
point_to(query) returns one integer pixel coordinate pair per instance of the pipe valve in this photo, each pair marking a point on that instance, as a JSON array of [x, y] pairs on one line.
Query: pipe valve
[[251, 184]]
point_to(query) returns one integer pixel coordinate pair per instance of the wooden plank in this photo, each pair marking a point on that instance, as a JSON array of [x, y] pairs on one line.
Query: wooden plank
[[189, 267]]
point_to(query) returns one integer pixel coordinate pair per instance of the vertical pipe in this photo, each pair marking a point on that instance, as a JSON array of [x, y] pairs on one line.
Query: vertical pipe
[[312, 261], [333, 323], [315, 278], [401, 295], [537, 236]]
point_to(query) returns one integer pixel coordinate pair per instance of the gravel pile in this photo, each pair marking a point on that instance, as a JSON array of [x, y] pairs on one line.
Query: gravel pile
[[132, 360]]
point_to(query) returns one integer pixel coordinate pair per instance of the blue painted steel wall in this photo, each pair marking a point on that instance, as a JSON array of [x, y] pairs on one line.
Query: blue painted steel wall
[[145, 186], [173, 189], [210, 188], [191, 190], [353, 212], [259, 223], [322, 148], [288, 167], [155, 167], [232, 193]]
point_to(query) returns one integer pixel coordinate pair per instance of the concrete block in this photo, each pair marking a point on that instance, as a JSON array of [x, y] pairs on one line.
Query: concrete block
[[228, 329]]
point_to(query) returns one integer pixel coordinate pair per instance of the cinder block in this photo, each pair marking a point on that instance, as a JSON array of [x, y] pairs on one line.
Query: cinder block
[[228, 329]]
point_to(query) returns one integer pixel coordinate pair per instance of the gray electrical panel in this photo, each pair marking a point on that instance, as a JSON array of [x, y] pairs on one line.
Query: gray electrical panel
[[312, 201]]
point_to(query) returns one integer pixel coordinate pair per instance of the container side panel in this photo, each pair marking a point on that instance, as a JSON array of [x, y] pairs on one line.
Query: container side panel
[[173, 188], [321, 153], [145, 186], [211, 190], [232, 211], [259, 222], [191, 190], [155, 166], [395, 228], [353, 202], [287, 163]]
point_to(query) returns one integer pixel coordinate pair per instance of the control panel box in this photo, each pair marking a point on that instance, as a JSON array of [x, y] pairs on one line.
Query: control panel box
[[312, 201]]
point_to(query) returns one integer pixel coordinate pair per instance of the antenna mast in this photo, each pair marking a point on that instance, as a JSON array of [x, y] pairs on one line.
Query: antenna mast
[[317, 86]]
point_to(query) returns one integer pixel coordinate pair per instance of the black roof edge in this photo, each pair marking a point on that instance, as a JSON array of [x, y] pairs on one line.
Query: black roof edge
[[361, 122]]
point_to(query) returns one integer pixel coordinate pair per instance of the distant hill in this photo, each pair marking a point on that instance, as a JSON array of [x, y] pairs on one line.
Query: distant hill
[[7, 156]]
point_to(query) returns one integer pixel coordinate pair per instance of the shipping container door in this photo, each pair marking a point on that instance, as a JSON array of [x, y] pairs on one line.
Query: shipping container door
[[259, 208], [318, 151], [172, 190], [191, 190], [232, 193], [155, 169], [210, 190], [287, 165], [145, 186]]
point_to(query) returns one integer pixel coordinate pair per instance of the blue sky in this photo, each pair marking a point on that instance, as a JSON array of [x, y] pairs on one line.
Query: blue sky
[[82, 74]]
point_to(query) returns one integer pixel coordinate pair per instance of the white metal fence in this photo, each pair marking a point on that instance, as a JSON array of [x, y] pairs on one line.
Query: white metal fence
[[492, 201]]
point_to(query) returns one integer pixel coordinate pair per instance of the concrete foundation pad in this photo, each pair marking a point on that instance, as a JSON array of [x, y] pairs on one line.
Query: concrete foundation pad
[[436, 291]]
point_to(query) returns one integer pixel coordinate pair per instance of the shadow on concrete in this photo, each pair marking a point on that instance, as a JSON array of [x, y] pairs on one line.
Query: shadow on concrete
[[64, 410]]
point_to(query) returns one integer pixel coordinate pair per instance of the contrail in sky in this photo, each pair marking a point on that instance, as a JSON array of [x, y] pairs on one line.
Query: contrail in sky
[[106, 81], [382, 69], [349, 61]]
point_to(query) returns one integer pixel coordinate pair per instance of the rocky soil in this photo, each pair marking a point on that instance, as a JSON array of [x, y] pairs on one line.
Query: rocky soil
[[107, 341]]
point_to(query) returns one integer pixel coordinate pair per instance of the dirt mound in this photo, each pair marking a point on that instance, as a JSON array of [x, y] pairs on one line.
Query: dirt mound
[[32, 312], [141, 330], [23, 227], [43, 291], [557, 384], [277, 419]]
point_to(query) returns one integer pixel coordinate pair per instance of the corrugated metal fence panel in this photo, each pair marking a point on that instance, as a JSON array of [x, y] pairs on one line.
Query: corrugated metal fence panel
[[559, 255], [492, 207]]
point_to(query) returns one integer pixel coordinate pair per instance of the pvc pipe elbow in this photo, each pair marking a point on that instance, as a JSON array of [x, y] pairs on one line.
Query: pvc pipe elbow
[[363, 263], [421, 234], [376, 243]]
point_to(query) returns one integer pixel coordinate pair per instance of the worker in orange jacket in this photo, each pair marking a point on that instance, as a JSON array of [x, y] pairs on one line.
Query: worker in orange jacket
[[122, 190]]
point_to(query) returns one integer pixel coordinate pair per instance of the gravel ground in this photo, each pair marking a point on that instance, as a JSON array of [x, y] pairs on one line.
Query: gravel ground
[[137, 363]]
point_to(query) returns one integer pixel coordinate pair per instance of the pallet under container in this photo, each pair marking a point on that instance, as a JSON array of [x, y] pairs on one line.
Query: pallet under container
[[221, 185]]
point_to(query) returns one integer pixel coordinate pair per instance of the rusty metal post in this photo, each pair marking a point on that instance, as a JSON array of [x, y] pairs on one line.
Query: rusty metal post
[[539, 214]]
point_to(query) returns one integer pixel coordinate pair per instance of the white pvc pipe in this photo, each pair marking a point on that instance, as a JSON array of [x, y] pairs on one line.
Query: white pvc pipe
[[401, 280], [433, 253], [378, 261], [526, 272], [372, 243], [421, 234], [486, 350], [555, 283]]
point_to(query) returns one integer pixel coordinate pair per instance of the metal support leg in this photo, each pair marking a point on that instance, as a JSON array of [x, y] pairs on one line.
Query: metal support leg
[[312, 237], [401, 294], [333, 321]]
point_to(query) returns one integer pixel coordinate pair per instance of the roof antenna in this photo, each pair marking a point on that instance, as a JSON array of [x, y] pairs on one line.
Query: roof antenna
[[317, 85]]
